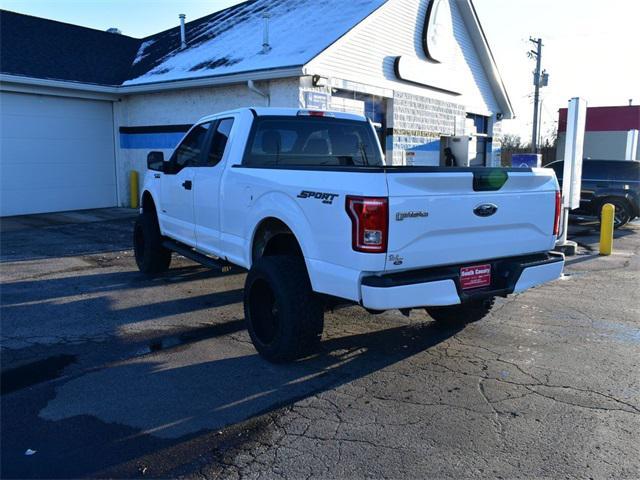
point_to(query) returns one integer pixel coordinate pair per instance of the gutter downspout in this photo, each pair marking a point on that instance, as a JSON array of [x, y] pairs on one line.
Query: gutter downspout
[[252, 86]]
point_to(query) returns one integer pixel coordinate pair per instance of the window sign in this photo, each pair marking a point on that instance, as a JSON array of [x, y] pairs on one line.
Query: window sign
[[316, 100]]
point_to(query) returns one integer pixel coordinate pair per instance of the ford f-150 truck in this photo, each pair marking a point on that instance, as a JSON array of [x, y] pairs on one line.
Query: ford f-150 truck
[[304, 201]]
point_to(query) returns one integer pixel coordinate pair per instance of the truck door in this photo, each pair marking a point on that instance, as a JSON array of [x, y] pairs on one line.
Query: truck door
[[177, 187], [207, 195]]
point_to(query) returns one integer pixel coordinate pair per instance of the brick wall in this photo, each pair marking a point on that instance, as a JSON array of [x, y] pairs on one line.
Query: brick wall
[[186, 106], [417, 120], [496, 130]]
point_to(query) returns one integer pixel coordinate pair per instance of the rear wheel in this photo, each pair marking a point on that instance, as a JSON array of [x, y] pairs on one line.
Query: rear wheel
[[467, 312], [284, 317], [622, 215], [151, 256]]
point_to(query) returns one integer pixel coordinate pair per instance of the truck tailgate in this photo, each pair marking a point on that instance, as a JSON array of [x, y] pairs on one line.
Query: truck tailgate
[[450, 216]]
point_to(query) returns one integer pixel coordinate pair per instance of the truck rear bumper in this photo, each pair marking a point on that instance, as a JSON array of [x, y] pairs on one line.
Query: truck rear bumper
[[441, 285]]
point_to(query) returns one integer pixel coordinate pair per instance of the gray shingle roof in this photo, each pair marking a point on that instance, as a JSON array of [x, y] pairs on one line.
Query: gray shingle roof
[[228, 41], [40, 48]]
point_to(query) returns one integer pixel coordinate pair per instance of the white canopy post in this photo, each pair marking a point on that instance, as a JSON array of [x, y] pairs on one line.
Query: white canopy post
[[572, 175]]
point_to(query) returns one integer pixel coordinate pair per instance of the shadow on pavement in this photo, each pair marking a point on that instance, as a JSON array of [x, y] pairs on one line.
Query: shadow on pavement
[[142, 407], [23, 291], [587, 236], [66, 240]]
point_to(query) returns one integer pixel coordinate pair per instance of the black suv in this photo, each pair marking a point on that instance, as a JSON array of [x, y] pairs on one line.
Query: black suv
[[607, 181]]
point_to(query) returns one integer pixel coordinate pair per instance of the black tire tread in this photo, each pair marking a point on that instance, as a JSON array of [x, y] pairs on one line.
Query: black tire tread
[[155, 258], [302, 312]]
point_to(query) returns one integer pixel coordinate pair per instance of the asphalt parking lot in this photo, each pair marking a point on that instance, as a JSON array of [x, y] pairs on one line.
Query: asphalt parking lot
[[108, 374]]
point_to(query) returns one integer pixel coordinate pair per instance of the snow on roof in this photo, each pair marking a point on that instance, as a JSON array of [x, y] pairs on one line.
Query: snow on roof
[[142, 51], [230, 41]]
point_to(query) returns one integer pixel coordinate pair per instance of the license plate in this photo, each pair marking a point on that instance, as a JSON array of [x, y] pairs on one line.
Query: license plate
[[475, 277]]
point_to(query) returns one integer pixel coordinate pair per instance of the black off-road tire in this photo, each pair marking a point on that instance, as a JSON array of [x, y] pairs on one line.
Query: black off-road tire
[[151, 257], [622, 215], [464, 313], [284, 316]]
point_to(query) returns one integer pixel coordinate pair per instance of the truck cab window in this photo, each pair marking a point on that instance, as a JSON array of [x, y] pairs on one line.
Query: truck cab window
[[321, 141], [219, 141], [188, 152]]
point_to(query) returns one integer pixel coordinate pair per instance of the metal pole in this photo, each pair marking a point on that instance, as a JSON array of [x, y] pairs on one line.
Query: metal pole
[[266, 48], [183, 35], [536, 97]]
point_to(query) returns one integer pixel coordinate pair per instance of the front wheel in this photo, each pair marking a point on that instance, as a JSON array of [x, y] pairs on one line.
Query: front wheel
[[467, 312], [284, 316], [151, 256]]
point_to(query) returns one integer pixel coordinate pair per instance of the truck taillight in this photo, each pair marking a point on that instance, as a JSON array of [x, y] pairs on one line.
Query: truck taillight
[[556, 221], [370, 223]]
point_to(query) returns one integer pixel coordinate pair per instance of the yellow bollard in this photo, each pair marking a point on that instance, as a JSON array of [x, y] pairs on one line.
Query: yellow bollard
[[606, 229], [133, 183]]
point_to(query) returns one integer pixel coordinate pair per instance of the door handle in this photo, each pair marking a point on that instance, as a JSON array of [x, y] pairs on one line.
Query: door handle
[[187, 184]]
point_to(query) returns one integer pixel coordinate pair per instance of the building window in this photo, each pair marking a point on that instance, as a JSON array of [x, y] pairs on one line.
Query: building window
[[480, 122], [483, 142], [371, 106]]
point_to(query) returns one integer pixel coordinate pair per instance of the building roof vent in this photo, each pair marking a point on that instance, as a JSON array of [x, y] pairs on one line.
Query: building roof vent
[[183, 35], [266, 48], [115, 30]]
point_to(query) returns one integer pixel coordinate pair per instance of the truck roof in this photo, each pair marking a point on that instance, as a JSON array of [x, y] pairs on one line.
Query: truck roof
[[285, 112]]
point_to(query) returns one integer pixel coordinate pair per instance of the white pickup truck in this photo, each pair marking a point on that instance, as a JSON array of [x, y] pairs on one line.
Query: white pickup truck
[[305, 202]]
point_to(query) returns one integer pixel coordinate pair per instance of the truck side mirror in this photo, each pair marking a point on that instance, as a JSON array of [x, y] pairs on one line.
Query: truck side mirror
[[155, 161]]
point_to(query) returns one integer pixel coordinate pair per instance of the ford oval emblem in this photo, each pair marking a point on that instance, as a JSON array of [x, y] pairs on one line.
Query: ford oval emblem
[[485, 210]]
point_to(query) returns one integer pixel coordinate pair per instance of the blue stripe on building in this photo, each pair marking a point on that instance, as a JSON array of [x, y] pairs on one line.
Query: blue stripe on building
[[153, 136], [150, 140]]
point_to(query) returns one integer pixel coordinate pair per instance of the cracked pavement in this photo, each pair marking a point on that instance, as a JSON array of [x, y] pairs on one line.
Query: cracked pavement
[[109, 374]]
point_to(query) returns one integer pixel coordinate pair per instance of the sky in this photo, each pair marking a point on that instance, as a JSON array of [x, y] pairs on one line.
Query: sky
[[590, 46], [590, 51]]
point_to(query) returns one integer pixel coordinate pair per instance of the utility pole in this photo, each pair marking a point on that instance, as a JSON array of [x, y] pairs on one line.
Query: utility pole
[[537, 54], [540, 122]]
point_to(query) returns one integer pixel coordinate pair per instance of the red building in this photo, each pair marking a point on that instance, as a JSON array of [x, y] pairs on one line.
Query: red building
[[606, 131]]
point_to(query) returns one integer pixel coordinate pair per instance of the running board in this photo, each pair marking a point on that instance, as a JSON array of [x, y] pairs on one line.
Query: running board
[[201, 258]]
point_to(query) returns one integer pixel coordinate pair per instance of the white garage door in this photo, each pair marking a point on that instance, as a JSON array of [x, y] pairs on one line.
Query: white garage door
[[56, 154]]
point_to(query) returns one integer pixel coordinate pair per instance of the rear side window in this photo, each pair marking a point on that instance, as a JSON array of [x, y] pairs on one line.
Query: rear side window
[[558, 168], [598, 169], [311, 141], [188, 152], [625, 171], [219, 141], [630, 171], [589, 170]]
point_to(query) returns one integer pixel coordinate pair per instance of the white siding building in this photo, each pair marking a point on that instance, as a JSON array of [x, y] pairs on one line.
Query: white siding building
[[74, 128]]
